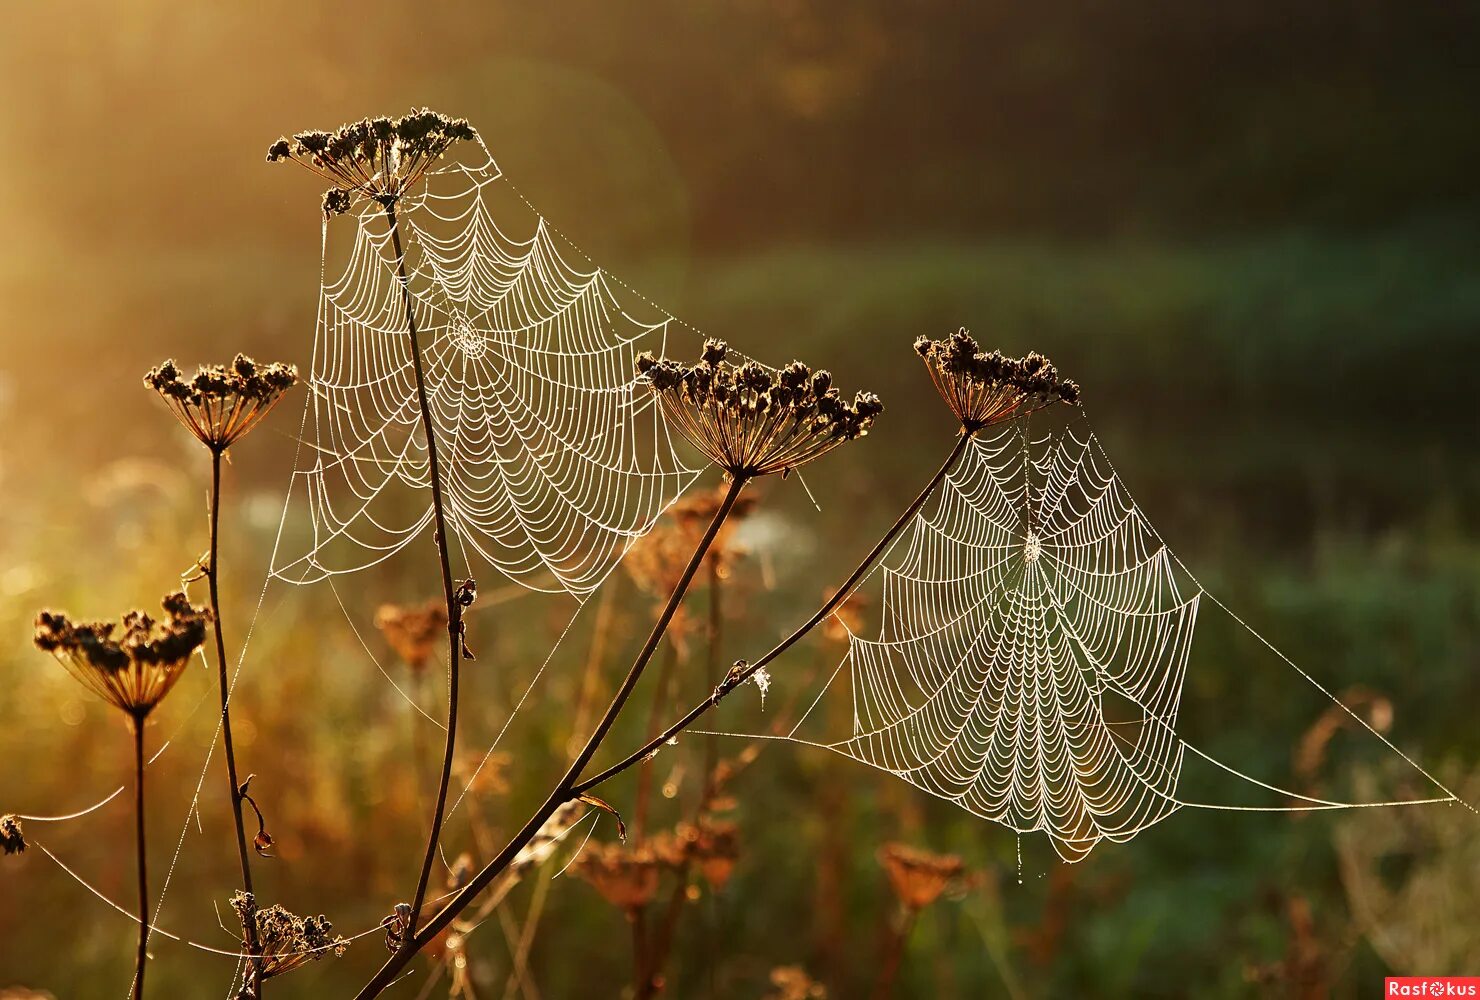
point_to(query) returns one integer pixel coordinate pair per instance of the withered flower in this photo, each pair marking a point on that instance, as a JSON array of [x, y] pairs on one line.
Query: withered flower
[[626, 877], [379, 159], [485, 773], [397, 927], [132, 663], [751, 420], [287, 940], [847, 618], [12, 837], [222, 402], [715, 847], [656, 562], [919, 877], [791, 982], [414, 631], [985, 388]]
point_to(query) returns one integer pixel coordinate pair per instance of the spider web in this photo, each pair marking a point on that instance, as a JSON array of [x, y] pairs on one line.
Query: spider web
[[551, 462], [1034, 641]]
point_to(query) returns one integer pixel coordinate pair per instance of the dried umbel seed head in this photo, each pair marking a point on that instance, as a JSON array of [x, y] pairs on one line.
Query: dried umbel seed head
[[919, 877], [791, 982], [987, 388], [220, 403], [413, 632], [750, 420], [657, 561], [12, 837], [287, 941], [131, 663], [715, 847], [379, 159], [626, 877]]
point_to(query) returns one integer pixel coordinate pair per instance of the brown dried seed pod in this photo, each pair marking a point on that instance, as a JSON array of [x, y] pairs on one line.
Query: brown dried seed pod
[[919, 877]]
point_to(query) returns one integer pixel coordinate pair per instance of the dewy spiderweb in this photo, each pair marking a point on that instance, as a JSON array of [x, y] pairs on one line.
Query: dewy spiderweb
[[552, 464], [1034, 641]]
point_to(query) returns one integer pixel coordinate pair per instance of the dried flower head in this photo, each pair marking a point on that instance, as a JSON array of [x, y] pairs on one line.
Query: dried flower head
[[378, 158], [12, 837], [919, 877], [131, 663], [222, 402], [656, 562], [287, 940], [985, 388], [413, 631], [847, 618], [626, 877], [791, 982], [485, 773], [715, 847], [751, 420]]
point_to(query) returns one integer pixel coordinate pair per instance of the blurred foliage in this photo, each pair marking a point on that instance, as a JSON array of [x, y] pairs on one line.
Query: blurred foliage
[[1248, 230]]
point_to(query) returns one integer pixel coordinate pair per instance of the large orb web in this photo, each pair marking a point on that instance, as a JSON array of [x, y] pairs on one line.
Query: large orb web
[[552, 462]]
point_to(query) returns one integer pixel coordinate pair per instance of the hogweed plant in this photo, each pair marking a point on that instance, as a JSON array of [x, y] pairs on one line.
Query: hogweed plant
[[918, 878], [380, 160], [132, 664], [751, 421], [219, 405]]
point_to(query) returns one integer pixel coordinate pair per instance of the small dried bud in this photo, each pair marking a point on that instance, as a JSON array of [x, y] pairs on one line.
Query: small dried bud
[[467, 592], [397, 927], [12, 837]]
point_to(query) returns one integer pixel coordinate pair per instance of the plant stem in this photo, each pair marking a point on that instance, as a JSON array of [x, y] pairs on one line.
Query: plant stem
[[656, 710], [843, 593], [564, 790], [143, 954], [894, 955], [254, 967], [454, 611], [641, 981]]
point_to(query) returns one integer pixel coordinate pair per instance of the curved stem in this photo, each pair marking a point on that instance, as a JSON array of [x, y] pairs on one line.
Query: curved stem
[[143, 954], [454, 611], [249, 928], [731, 682], [894, 954], [565, 789]]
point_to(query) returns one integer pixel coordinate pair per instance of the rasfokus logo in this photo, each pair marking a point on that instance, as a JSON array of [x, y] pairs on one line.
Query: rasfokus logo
[[1432, 986]]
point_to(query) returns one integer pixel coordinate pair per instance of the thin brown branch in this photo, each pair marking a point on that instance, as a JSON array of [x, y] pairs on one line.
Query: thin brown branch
[[234, 786]]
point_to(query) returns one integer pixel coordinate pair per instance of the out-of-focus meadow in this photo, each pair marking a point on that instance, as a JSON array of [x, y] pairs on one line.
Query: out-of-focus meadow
[[1249, 231]]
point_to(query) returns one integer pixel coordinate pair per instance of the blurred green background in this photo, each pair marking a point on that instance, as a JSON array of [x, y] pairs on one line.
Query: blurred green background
[[1251, 231]]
